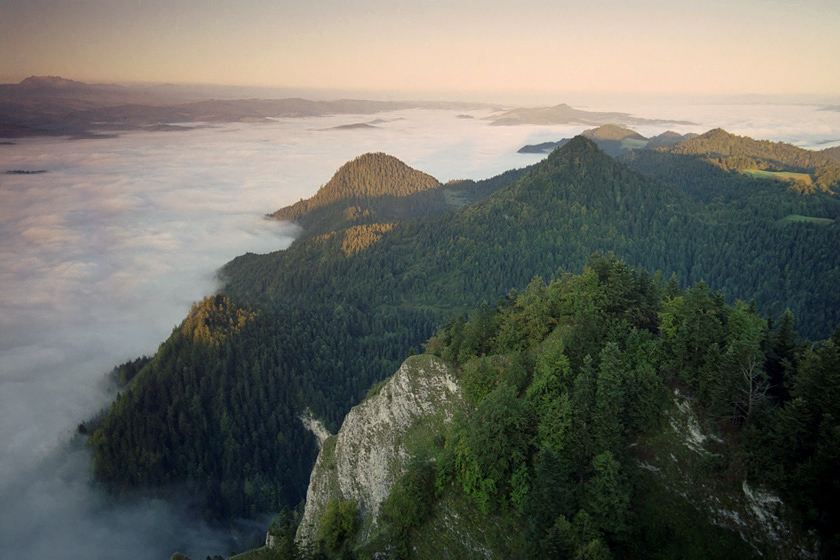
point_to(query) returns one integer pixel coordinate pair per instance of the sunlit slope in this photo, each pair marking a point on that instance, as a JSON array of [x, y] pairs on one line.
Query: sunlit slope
[[740, 153], [370, 189], [367, 195]]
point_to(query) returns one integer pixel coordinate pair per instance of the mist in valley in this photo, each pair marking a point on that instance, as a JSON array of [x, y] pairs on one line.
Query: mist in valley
[[103, 253]]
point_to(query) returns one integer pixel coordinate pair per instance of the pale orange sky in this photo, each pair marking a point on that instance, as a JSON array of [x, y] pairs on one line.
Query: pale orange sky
[[471, 47]]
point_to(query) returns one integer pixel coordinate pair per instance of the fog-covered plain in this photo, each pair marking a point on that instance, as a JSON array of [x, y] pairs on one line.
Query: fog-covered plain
[[102, 255]]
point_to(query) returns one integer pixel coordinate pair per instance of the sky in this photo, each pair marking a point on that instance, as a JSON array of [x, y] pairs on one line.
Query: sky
[[447, 48]]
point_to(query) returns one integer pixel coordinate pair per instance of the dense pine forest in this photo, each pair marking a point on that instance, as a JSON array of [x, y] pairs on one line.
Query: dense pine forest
[[373, 277], [577, 386]]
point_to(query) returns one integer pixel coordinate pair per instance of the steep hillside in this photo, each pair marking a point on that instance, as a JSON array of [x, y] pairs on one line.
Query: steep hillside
[[593, 427], [324, 323], [367, 176], [832, 152]]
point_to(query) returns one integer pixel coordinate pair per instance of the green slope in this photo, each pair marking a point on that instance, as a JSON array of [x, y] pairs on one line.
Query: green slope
[[732, 152], [328, 323]]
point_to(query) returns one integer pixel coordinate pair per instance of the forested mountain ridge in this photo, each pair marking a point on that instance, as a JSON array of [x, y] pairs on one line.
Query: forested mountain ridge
[[740, 153], [832, 152], [608, 414], [575, 202], [323, 324], [369, 194], [367, 176]]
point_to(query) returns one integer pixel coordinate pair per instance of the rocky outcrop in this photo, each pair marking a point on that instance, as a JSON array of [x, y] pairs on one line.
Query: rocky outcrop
[[684, 455], [367, 455]]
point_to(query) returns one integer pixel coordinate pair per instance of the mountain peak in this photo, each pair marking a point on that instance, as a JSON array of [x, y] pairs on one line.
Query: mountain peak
[[376, 174], [716, 134], [577, 147], [612, 132], [50, 82], [367, 177]]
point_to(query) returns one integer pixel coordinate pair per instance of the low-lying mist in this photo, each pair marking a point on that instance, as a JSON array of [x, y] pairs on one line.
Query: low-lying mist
[[103, 253]]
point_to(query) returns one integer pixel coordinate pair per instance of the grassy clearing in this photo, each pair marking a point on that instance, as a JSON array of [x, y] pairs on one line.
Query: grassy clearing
[[796, 218], [779, 175], [454, 199], [633, 143]]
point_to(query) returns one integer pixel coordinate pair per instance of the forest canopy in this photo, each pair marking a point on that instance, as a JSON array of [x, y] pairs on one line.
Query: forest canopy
[[315, 326]]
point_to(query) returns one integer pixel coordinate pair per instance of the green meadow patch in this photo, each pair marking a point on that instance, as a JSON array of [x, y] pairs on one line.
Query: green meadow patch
[[633, 143], [799, 219], [779, 175]]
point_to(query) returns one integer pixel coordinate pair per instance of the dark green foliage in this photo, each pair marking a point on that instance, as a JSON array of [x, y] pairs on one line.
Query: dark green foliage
[[553, 497], [282, 529], [412, 496], [409, 504], [338, 525], [568, 445], [124, 373], [668, 529], [797, 447], [221, 414]]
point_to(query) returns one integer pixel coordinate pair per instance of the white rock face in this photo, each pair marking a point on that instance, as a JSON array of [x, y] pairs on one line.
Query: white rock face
[[367, 455]]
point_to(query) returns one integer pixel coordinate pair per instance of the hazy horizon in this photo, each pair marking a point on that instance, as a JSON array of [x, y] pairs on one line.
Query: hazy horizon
[[604, 101], [495, 51]]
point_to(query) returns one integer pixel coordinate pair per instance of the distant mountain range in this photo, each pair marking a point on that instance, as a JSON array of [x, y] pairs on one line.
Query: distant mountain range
[[55, 106]]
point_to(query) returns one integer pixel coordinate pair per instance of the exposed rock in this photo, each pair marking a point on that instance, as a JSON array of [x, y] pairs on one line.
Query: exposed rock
[[754, 513], [315, 426], [367, 455]]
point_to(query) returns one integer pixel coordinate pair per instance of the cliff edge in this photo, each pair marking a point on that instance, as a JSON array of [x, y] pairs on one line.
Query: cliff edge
[[369, 453]]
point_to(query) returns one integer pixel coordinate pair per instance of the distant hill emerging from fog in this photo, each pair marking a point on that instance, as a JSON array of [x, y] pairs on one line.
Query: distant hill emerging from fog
[[613, 139], [55, 106], [563, 114], [367, 195], [347, 198]]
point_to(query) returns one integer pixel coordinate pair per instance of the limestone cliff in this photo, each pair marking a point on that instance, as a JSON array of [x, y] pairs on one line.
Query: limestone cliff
[[369, 452]]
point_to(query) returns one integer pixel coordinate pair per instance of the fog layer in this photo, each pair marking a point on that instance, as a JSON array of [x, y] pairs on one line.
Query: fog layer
[[102, 255]]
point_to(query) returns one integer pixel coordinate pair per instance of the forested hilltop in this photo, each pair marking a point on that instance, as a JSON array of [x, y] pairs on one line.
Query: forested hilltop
[[807, 169], [317, 324], [608, 415]]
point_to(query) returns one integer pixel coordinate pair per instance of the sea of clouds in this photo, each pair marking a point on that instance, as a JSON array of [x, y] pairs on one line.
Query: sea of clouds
[[103, 253]]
